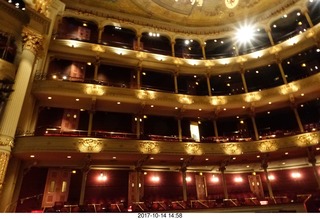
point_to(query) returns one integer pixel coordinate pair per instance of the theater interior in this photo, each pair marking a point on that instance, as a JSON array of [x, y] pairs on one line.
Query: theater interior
[[159, 106]]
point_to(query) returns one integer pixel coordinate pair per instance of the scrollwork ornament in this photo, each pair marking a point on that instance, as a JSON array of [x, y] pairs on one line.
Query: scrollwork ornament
[[267, 146], [193, 149], [149, 147], [90, 145], [308, 139], [232, 148], [32, 41]]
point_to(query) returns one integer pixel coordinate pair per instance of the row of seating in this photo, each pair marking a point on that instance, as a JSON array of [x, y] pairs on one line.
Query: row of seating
[[167, 205]]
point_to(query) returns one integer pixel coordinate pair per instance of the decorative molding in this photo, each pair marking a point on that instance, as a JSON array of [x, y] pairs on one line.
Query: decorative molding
[[232, 148], [90, 145], [149, 147], [267, 146], [6, 141], [4, 160], [308, 139], [193, 149]]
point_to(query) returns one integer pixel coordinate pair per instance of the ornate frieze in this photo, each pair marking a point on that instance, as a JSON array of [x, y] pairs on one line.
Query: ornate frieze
[[308, 139], [267, 146], [232, 148], [193, 149], [90, 145], [149, 147]]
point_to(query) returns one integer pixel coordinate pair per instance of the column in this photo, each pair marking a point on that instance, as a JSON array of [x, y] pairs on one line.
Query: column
[[224, 182], [264, 166], [184, 184], [254, 124], [138, 42], [90, 123], [203, 46], [208, 84], [282, 71], [312, 160], [32, 44], [83, 186], [101, 29], [172, 48], [244, 80], [179, 129], [91, 113], [12, 186], [268, 30], [215, 127], [139, 77], [176, 90], [96, 68], [306, 14], [138, 129]]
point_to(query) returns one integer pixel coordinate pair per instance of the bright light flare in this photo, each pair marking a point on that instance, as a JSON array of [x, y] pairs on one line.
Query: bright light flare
[[238, 179], [155, 179], [102, 177], [245, 34], [214, 179], [296, 175]]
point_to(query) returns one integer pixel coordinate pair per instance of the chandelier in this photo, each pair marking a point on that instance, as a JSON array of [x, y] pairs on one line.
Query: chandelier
[[198, 3]]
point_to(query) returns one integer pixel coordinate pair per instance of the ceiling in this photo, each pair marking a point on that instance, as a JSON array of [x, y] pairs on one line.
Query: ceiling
[[181, 12]]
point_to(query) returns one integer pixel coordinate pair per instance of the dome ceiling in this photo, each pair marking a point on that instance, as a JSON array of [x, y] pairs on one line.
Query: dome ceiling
[[201, 13]]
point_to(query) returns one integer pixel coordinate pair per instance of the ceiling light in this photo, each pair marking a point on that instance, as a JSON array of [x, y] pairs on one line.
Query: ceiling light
[[245, 34]]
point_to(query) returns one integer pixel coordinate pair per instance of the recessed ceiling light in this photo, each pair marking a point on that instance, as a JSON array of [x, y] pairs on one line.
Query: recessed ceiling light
[[258, 156], [49, 98], [302, 95], [207, 159], [152, 106], [118, 103], [68, 156], [151, 158], [114, 157], [32, 156], [181, 158], [77, 99], [286, 153], [270, 102]]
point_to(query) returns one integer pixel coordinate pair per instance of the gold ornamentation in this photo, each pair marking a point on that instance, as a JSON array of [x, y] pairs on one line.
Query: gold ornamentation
[[232, 148], [40, 6], [92, 89], [149, 147], [90, 145], [4, 160], [6, 141], [32, 41], [193, 149], [267, 146], [308, 139]]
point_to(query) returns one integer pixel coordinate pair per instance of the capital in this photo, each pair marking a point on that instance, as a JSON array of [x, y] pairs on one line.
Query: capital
[[32, 41], [6, 141]]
